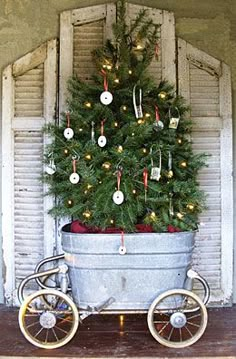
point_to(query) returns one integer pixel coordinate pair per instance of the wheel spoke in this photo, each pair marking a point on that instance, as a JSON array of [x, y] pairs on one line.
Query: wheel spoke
[[31, 315], [32, 324], [171, 332], [55, 334], [40, 330], [62, 330], [194, 316], [163, 328], [46, 338], [160, 321], [188, 330], [193, 324], [64, 319], [180, 334]]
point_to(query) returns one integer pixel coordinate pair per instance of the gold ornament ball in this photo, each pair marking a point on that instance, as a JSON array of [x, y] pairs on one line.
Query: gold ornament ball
[[87, 214], [106, 165], [88, 157], [147, 115], [162, 95], [170, 174], [153, 215]]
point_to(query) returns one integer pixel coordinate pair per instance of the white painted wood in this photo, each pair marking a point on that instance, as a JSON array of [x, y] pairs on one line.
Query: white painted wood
[[205, 83], [226, 183], [7, 183], [30, 60], [88, 14], [28, 232]]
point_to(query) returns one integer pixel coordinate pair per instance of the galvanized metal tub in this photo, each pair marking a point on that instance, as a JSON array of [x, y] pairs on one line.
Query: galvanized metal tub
[[154, 263]]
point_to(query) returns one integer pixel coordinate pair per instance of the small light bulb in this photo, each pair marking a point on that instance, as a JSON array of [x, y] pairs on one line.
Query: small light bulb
[[119, 149], [134, 191], [112, 221], [116, 124], [139, 47], [144, 150], [183, 164], [190, 206], [100, 182], [89, 186], [140, 121], [85, 192], [132, 133], [117, 81], [124, 108], [88, 156], [66, 151], [179, 140], [130, 72], [106, 165], [88, 104], [87, 214], [104, 66], [147, 115], [80, 129], [109, 67], [179, 215], [153, 215], [162, 95]]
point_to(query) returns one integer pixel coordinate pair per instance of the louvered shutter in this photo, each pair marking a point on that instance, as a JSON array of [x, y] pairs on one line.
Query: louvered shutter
[[81, 31], [29, 99], [205, 83], [164, 68]]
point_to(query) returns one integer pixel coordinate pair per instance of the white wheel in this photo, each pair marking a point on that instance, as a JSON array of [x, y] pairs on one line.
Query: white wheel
[[177, 318], [48, 325]]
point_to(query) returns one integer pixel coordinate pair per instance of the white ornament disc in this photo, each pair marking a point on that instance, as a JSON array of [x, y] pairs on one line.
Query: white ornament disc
[[50, 170], [122, 250], [68, 133], [74, 178], [102, 141], [118, 197], [106, 98]]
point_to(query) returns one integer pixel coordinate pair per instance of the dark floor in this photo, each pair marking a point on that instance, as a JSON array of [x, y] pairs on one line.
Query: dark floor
[[102, 337]]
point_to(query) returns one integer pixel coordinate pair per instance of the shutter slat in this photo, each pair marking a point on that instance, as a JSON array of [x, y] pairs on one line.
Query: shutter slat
[[28, 198]]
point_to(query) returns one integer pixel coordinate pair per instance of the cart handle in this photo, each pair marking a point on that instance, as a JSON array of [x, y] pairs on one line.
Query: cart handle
[[191, 274], [41, 263]]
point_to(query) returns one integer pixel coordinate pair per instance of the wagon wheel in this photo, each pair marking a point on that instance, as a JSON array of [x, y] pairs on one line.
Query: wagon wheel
[[48, 327], [177, 318]]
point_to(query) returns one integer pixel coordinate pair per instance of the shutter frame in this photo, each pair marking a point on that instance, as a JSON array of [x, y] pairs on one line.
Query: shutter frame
[[223, 123], [46, 54]]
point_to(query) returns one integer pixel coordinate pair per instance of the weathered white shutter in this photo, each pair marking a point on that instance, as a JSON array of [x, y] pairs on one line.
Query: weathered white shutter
[[164, 68], [205, 83], [29, 99], [81, 31]]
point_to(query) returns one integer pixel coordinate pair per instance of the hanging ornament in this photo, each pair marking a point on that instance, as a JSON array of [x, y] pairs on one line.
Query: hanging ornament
[[122, 248], [51, 168], [155, 171], [92, 133], [87, 214], [68, 132], [171, 208], [137, 108], [162, 95], [174, 121], [145, 183], [158, 125], [74, 177], [118, 196], [102, 141], [170, 173], [106, 165], [106, 96]]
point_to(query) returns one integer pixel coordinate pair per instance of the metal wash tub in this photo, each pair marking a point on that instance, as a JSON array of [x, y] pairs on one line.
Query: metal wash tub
[[115, 274], [153, 263]]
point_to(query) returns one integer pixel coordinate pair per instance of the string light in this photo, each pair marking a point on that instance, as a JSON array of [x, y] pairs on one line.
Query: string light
[[70, 203], [153, 215], [144, 150], [87, 214], [179, 140], [89, 186], [134, 191], [66, 151], [88, 104], [130, 72], [124, 108], [109, 67], [132, 134], [183, 164], [162, 95], [170, 174], [100, 182], [117, 81], [180, 215], [80, 129], [147, 115], [120, 149], [116, 124], [106, 165], [190, 206], [139, 47], [112, 221], [140, 121]]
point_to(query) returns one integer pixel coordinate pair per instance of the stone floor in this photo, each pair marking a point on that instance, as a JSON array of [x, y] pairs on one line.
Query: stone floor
[[102, 336]]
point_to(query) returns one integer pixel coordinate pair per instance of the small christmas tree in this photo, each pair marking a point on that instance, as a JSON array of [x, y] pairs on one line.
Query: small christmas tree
[[122, 154]]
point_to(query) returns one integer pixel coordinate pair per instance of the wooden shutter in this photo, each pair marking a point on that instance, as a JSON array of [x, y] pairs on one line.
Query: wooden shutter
[[205, 83], [81, 31], [164, 68], [29, 99]]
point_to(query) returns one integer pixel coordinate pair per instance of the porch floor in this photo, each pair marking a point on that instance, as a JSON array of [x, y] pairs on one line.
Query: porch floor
[[101, 337]]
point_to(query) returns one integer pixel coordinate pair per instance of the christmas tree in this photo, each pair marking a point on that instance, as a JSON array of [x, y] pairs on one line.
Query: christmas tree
[[122, 154]]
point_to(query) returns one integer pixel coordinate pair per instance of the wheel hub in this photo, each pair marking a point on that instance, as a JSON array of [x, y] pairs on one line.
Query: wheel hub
[[178, 320], [47, 320]]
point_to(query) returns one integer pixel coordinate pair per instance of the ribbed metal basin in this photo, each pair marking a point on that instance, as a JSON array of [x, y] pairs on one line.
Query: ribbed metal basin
[[154, 263]]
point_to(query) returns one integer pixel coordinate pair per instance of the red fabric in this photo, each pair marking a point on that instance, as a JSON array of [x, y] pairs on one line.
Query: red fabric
[[79, 227], [172, 229]]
